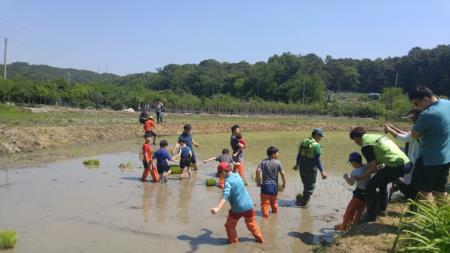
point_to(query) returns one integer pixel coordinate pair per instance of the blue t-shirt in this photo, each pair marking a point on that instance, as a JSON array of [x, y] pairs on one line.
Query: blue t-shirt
[[185, 152], [162, 156], [187, 138], [235, 192], [433, 126]]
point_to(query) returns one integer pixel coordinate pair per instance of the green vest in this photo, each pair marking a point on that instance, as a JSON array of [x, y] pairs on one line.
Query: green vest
[[385, 150], [307, 148]]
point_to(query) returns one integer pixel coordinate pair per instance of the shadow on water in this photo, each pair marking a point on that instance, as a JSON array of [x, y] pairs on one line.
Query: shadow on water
[[372, 229], [206, 239], [325, 236], [287, 203]]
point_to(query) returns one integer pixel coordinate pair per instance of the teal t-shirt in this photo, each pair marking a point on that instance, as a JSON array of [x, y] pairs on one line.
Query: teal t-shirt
[[235, 192], [434, 127]]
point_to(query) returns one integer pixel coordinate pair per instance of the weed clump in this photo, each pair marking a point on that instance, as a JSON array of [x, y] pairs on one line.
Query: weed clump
[[91, 162], [210, 182], [8, 239], [176, 169]]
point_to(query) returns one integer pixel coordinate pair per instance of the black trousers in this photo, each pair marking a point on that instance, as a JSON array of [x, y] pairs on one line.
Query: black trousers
[[378, 201], [159, 117]]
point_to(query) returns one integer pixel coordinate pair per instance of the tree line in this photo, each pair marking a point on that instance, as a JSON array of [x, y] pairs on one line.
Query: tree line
[[292, 83]]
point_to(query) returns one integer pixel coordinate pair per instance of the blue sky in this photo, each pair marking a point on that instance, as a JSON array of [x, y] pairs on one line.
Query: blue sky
[[125, 37]]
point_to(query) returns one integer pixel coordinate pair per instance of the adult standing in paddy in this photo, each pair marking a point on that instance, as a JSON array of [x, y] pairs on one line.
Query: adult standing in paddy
[[433, 128], [386, 161], [308, 162]]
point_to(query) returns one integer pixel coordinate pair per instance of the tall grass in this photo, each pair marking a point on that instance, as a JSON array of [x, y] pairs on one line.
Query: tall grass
[[427, 231]]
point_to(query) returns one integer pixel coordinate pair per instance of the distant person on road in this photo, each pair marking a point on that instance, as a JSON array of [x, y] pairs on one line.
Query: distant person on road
[[386, 161], [308, 162], [186, 137], [267, 179], [241, 206], [357, 204], [159, 112], [403, 183], [162, 157], [149, 126], [433, 128]]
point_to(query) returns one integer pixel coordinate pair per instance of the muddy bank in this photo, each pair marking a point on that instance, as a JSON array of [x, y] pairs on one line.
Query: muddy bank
[[375, 237], [31, 138]]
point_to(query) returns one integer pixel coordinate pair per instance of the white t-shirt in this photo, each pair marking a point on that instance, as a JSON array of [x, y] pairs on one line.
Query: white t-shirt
[[360, 183], [413, 149]]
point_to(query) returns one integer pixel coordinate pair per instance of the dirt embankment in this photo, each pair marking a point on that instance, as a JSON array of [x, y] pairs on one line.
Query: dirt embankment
[[16, 139], [58, 127], [369, 238]]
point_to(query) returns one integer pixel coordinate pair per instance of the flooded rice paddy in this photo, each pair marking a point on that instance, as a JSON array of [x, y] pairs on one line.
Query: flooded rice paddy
[[67, 207]]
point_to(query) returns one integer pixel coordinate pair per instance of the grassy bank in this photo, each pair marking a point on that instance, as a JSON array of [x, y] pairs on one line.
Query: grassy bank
[[31, 129]]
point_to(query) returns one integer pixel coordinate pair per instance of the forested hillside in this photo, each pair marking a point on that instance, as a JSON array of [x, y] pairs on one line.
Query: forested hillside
[[293, 83]]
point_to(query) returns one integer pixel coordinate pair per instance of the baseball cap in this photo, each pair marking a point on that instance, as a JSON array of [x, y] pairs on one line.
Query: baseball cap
[[224, 166], [318, 131], [355, 157]]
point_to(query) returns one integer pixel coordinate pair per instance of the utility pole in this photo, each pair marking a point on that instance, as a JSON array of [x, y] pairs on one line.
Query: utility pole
[[396, 79], [4, 58]]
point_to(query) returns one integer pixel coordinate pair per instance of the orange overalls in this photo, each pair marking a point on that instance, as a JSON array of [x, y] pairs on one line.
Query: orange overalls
[[250, 221], [355, 209], [239, 168], [149, 168], [268, 201]]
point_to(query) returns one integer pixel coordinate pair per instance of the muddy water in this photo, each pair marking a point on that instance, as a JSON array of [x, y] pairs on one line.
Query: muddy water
[[66, 207]]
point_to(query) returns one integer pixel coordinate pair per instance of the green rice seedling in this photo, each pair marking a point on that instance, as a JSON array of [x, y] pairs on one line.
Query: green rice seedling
[[299, 197], [427, 231], [210, 182], [91, 162], [176, 169], [280, 188], [124, 166], [129, 165], [8, 239]]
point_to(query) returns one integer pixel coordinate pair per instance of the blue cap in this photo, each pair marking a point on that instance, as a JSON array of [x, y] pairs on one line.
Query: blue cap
[[318, 131], [355, 157]]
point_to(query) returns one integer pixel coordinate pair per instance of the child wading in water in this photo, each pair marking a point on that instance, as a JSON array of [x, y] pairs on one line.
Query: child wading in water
[[185, 154], [241, 206], [357, 204], [147, 160], [149, 125], [224, 160], [162, 156], [267, 179]]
